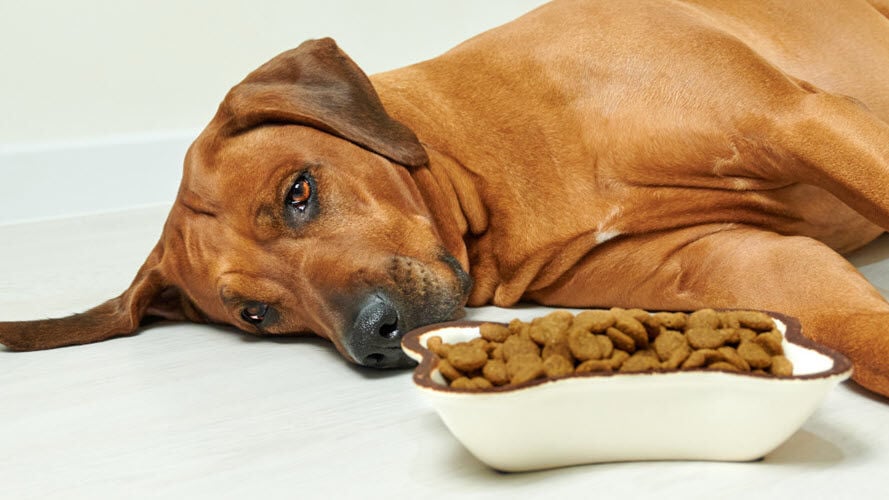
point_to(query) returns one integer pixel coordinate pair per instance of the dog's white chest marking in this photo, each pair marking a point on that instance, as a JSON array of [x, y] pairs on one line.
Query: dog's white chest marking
[[605, 229], [603, 236]]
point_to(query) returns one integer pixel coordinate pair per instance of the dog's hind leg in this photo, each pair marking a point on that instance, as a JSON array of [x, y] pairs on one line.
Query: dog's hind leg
[[835, 303], [733, 266], [835, 143]]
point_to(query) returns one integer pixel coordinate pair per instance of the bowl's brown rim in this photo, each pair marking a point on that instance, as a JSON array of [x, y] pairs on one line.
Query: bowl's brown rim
[[423, 372]]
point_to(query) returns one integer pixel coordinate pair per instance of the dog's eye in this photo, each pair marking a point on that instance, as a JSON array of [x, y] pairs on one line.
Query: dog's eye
[[300, 193], [255, 313]]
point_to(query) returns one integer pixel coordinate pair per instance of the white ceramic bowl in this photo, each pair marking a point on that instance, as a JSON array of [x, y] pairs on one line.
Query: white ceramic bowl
[[601, 417]]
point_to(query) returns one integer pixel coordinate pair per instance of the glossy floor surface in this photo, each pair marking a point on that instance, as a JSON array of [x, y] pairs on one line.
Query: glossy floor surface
[[188, 411]]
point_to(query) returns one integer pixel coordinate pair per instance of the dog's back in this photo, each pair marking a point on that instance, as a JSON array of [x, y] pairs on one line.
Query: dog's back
[[620, 97]]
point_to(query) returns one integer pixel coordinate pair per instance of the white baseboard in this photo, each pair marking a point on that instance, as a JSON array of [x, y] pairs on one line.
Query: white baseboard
[[47, 181]]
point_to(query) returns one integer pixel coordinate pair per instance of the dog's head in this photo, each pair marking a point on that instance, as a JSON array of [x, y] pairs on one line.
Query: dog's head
[[296, 213]]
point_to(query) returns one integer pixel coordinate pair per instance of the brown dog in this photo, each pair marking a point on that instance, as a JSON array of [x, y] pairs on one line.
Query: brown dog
[[651, 153]]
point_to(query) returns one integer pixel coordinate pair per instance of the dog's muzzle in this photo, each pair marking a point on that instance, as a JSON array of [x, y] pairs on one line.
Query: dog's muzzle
[[419, 297]]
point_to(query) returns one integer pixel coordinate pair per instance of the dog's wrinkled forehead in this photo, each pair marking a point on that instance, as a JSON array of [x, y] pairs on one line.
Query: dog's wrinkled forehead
[[222, 172], [314, 85]]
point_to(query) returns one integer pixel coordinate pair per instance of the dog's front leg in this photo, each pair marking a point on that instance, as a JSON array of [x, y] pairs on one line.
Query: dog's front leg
[[735, 266]]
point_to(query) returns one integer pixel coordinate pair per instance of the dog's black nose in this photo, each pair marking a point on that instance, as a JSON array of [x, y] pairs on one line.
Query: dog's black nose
[[375, 339]]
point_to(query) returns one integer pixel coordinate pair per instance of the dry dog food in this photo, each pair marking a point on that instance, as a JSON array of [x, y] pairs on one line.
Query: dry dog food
[[617, 340]]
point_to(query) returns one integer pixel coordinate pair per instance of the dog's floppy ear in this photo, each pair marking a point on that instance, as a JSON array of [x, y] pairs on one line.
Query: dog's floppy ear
[[318, 85], [148, 296]]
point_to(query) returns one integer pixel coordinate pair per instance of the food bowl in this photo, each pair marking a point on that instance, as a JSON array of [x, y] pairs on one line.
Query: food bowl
[[608, 417]]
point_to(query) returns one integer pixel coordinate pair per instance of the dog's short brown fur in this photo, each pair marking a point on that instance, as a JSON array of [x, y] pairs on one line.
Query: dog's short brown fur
[[661, 154]]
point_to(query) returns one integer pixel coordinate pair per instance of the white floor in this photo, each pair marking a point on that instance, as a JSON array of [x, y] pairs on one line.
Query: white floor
[[186, 411]]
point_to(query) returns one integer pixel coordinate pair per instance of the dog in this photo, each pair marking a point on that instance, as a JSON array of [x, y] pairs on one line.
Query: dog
[[661, 154]]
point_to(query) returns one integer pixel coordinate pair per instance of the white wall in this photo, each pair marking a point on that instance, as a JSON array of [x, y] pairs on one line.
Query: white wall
[[102, 95]]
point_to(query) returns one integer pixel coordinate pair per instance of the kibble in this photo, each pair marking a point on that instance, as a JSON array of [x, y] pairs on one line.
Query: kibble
[[561, 344]]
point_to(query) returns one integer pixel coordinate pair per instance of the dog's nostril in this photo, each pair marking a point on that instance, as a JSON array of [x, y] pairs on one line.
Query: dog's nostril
[[375, 359], [390, 329]]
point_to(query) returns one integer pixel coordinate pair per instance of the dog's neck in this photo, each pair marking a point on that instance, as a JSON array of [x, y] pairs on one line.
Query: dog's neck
[[457, 187], [452, 197]]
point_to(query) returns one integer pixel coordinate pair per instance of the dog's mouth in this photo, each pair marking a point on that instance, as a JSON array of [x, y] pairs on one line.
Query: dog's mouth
[[464, 280]]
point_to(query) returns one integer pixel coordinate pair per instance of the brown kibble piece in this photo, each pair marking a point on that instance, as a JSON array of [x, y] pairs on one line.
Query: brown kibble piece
[[730, 335], [754, 355], [701, 358], [551, 328], [557, 366], [667, 342], [639, 315], [755, 320], [621, 340], [606, 346], [491, 346], [467, 357], [676, 358], [672, 349], [471, 383], [516, 345], [728, 319], [479, 343], [559, 349], [722, 365], [628, 324], [641, 361], [561, 319], [435, 345], [519, 328], [521, 359], [544, 333], [781, 366], [448, 371], [703, 318], [495, 371], [770, 342], [583, 344], [481, 383], [705, 338], [671, 321], [494, 332], [618, 358], [594, 321], [595, 365], [434, 342], [463, 383], [496, 352], [524, 367], [745, 335], [732, 356]]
